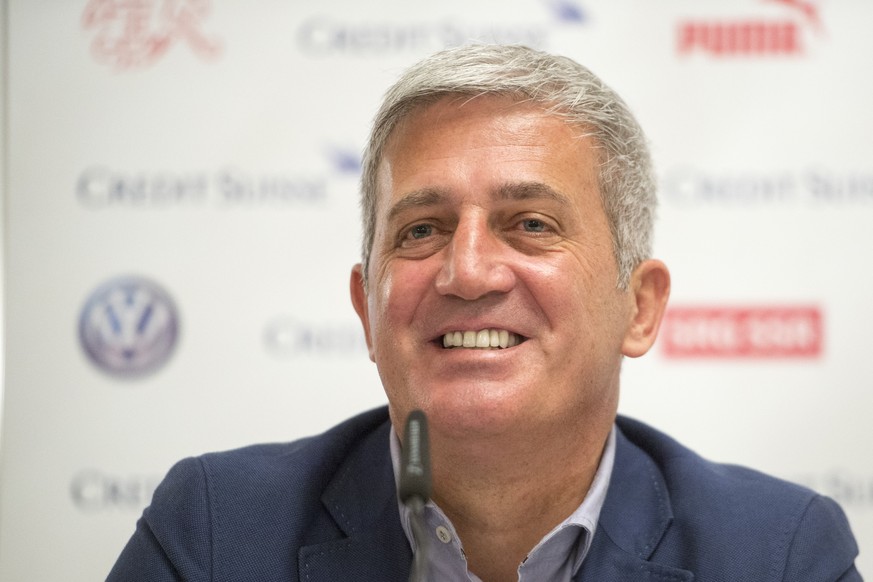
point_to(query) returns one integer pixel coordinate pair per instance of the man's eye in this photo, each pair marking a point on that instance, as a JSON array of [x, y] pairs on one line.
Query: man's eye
[[533, 225], [421, 231]]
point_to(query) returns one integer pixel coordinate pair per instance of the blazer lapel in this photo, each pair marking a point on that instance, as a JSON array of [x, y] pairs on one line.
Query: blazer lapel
[[635, 517], [362, 501]]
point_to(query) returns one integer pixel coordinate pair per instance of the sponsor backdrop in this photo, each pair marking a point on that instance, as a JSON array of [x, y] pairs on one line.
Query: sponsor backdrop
[[181, 216]]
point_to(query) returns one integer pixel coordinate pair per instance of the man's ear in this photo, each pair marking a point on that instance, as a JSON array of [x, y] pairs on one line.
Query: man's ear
[[650, 288], [359, 301]]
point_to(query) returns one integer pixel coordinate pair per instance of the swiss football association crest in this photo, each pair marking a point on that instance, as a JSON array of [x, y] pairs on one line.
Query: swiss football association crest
[[133, 34], [129, 326]]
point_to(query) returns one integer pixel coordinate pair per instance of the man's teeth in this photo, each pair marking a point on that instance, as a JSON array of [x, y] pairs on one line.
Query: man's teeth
[[486, 338]]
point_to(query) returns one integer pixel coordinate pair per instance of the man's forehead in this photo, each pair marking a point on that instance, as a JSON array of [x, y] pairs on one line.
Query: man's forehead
[[429, 114], [488, 106]]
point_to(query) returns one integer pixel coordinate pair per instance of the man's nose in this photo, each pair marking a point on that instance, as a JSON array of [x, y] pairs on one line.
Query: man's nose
[[476, 262]]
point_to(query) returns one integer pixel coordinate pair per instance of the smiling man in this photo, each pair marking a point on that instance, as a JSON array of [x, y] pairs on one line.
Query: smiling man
[[508, 205], [489, 223]]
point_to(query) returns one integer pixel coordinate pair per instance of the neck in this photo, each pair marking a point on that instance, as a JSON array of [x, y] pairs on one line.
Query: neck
[[504, 493]]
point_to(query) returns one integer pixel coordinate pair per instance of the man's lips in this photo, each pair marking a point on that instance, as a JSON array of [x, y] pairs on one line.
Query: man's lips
[[483, 339]]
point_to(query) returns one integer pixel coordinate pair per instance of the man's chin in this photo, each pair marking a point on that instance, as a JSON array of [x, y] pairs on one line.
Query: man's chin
[[474, 417]]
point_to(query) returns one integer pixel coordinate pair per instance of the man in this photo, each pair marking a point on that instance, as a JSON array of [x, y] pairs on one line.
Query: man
[[508, 205]]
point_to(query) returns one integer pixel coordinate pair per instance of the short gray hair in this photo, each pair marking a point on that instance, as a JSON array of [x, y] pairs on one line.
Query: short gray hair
[[564, 88]]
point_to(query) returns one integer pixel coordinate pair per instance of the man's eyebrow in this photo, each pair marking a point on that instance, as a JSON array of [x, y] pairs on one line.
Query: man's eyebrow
[[417, 199], [530, 190]]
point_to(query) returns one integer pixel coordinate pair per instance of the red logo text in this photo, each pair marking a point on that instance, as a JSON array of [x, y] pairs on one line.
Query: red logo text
[[750, 36], [132, 34], [743, 332], [736, 38]]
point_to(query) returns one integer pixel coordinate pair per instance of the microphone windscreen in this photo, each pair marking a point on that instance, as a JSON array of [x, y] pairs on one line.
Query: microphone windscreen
[[415, 474]]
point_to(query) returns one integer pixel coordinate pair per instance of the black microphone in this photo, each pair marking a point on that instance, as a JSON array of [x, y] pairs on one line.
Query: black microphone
[[416, 487]]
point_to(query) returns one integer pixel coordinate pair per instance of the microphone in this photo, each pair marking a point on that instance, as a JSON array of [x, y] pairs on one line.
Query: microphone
[[416, 487]]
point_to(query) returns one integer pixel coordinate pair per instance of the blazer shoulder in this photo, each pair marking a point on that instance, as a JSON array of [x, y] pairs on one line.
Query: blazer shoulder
[[307, 461], [699, 479], [732, 519], [237, 514]]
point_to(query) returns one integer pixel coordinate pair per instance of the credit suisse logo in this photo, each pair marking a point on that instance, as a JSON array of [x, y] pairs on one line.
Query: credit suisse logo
[[812, 186], [743, 332], [94, 490], [129, 326], [850, 487], [286, 337], [100, 186], [753, 35], [324, 35], [134, 34]]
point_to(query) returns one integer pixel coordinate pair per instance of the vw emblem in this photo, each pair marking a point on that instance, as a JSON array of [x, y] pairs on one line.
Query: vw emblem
[[129, 326]]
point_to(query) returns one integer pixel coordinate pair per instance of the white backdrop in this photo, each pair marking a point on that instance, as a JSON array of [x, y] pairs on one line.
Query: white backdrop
[[207, 150]]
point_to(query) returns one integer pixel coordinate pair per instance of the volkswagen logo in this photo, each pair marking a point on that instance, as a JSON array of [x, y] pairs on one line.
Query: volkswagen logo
[[129, 326]]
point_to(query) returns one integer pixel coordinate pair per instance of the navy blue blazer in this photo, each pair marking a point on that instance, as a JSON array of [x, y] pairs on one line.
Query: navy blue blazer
[[324, 509]]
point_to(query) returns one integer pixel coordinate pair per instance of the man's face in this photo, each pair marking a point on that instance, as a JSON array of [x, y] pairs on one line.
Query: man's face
[[489, 223]]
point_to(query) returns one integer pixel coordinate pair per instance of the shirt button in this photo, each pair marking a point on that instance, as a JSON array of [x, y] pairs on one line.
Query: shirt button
[[443, 534]]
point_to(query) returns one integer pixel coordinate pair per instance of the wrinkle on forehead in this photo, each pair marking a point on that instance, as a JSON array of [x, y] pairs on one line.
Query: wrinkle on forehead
[[513, 191]]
